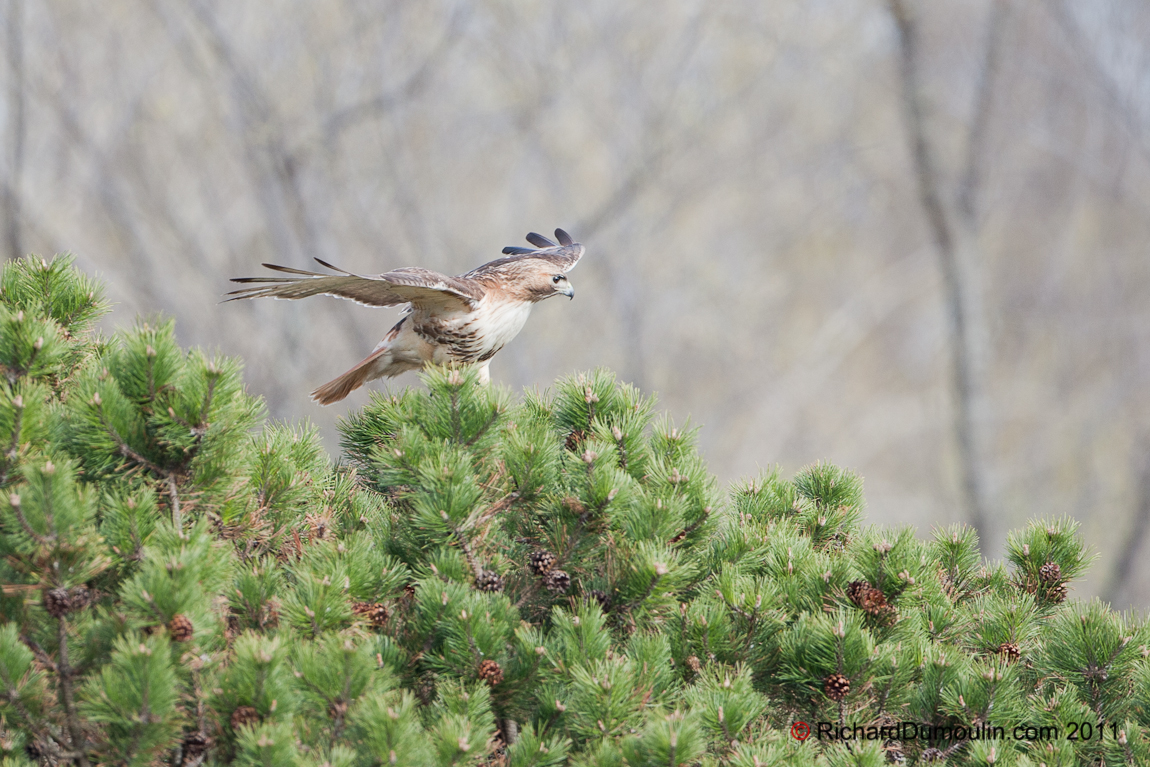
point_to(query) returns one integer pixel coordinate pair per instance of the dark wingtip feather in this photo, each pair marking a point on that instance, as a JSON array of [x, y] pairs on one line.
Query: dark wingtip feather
[[564, 238], [511, 250], [321, 262], [540, 241]]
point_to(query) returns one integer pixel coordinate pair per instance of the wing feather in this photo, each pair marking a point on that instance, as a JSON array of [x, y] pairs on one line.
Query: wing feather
[[540, 241], [563, 254], [420, 287]]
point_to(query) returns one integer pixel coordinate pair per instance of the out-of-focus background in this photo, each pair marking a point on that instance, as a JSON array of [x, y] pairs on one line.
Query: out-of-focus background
[[907, 236]]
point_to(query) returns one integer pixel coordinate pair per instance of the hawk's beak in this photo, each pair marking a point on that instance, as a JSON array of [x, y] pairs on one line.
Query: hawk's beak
[[568, 291]]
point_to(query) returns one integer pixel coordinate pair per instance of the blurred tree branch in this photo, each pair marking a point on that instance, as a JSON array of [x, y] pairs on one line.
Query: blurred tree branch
[[955, 243], [1111, 90], [17, 130], [416, 84], [1127, 560]]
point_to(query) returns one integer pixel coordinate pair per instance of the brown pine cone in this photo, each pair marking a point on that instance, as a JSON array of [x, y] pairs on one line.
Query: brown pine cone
[[557, 581], [337, 708], [932, 755], [540, 561], [33, 750], [270, 614], [1010, 651], [575, 439], [425, 689], [837, 687], [694, 663], [244, 716], [1050, 573], [1057, 593], [489, 580], [874, 602], [195, 745], [490, 672], [574, 505], [856, 591], [59, 602], [374, 613], [180, 628], [601, 598], [894, 752]]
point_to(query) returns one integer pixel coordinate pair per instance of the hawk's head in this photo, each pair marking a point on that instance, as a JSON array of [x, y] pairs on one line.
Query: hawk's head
[[560, 286], [533, 274], [534, 279]]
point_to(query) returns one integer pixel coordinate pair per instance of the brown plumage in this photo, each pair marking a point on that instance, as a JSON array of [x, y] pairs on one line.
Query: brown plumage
[[450, 320]]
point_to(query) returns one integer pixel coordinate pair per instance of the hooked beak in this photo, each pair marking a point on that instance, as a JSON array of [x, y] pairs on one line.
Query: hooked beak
[[568, 291]]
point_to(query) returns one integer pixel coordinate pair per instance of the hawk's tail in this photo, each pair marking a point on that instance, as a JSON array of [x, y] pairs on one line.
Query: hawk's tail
[[338, 389]]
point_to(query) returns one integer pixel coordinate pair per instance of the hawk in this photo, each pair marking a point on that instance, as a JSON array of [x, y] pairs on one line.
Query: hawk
[[448, 320]]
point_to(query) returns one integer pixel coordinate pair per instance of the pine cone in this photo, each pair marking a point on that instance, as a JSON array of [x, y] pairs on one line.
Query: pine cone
[[180, 628], [894, 752], [490, 672], [425, 689], [374, 613], [694, 664], [1010, 651], [575, 439], [1057, 593], [244, 716], [489, 580], [337, 709], [1095, 675], [874, 602], [932, 755], [1050, 573], [871, 600], [574, 505], [195, 745], [557, 581], [540, 561], [270, 614], [59, 602], [601, 598], [856, 591], [837, 687]]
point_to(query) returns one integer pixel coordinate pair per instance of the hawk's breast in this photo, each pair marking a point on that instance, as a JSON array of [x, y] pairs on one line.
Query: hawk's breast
[[477, 335]]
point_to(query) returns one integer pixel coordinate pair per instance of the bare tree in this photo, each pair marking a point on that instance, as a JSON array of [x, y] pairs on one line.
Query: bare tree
[[954, 238], [17, 129]]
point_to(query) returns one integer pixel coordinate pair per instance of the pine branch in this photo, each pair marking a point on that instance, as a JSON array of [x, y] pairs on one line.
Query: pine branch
[[214, 377], [64, 674], [14, 501], [463, 544], [173, 494], [126, 450], [13, 444], [483, 429]]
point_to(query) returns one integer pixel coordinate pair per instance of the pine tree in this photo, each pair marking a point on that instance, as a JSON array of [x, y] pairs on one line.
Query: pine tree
[[491, 580]]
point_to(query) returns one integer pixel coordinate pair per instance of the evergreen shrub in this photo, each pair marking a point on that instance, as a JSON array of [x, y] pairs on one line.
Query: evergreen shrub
[[491, 580]]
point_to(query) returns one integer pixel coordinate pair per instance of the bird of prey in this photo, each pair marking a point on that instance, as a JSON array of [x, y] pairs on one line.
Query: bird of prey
[[449, 320]]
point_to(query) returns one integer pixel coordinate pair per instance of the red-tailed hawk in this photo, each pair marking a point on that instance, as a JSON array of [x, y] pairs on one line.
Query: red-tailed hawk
[[450, 320]]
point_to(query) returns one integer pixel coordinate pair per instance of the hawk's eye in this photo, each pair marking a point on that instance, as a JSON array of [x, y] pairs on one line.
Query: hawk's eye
[[557, 278]]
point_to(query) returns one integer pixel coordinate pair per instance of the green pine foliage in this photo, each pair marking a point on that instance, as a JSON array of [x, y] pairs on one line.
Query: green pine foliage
[[491, 580]]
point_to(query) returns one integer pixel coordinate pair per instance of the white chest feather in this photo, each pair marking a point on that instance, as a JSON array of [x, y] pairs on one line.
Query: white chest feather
[[472, 336], [502, 321]]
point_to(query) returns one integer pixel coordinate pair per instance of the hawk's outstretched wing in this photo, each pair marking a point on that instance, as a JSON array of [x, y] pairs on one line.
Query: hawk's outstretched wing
[[420, 287]]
